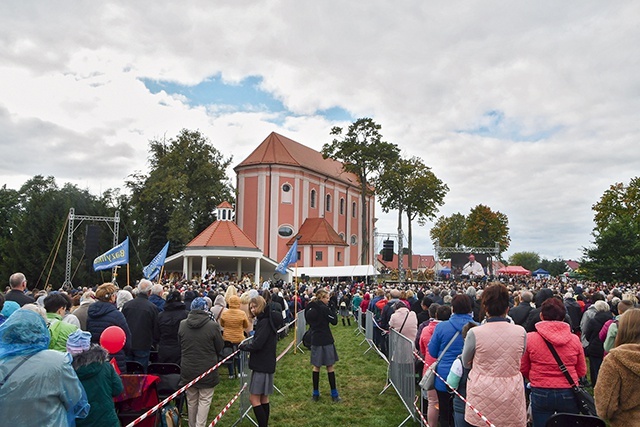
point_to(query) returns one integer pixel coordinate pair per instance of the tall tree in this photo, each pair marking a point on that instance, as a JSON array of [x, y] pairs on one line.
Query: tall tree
[[615, 254], [528, 260], [447, 233], [363, 153], [411, 187], [484, 228], [176, 200]]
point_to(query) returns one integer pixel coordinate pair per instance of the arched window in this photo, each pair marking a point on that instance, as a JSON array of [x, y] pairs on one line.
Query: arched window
[[312, 199], [342, 237], [354, 240], [354, 209], [328, 209], [341, 206], [287, 194]]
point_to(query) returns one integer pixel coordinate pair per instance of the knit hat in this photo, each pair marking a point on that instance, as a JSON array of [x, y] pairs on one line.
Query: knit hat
[[9, 308], [199, 304], [78, 342]]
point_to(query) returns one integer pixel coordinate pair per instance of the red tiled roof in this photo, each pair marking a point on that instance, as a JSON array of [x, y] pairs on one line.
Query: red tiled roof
[[278, 149], [222, 234], [317, 231], [573, 265], [225, 205]]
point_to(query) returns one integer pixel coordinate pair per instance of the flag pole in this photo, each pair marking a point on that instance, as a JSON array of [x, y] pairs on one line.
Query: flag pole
[[127, 274], [295, 305]]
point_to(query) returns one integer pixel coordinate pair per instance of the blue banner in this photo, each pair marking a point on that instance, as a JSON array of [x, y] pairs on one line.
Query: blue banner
[[290, 258], [118, 255], [155, 266]]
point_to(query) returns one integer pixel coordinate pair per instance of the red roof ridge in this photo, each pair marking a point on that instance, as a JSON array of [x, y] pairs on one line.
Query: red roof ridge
[[317, 231], [224, 234]]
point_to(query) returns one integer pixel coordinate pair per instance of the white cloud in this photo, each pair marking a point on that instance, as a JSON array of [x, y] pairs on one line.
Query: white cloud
[[72, 103]]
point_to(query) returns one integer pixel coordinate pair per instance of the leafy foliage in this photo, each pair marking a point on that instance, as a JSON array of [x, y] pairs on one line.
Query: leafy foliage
[[363, 153], [528, 260], [447, 231], [615, 255], [411, 187], [555, 267], [177, 199]]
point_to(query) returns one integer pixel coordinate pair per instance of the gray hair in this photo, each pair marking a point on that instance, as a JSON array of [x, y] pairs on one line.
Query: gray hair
[[16, 280], [526, 296], [145, 286], [157, 289]]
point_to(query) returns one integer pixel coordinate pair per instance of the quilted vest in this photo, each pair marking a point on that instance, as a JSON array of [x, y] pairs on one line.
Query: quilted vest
[[495, 386]]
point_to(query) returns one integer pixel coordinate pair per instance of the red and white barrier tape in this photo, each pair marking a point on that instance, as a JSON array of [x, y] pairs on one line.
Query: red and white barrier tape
[[478, 413], [424, 420], [228, 405], [180, 391]]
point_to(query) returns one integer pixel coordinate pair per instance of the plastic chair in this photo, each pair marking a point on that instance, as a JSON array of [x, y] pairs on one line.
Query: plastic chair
[[134, 367], [169, 374], [577, 420]]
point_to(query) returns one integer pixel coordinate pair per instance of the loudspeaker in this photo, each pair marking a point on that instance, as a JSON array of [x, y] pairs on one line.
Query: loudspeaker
[[92, 241], [387, 250]]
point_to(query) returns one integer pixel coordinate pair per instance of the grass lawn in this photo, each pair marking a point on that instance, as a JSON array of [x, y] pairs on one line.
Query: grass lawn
[[360, 379]]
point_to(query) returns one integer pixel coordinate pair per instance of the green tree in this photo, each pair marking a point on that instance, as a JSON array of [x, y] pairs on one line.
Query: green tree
[[528, 260], [177, 199], [447, 233], [484, 228], [555, 267], [615, 254], [363, 153], [37, 244], [411, 187]]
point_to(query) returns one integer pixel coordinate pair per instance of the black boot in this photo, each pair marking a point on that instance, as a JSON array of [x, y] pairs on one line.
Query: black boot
[[343, 322], [349, 321]]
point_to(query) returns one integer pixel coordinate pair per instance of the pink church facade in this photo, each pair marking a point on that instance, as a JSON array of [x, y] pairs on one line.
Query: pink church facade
[[285, 188]]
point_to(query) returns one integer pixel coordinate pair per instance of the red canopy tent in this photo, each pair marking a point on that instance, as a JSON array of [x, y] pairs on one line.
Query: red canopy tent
[[514, 270]]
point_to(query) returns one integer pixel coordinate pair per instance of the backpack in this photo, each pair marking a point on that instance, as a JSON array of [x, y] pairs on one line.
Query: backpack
[[306, 338], [169, 416]]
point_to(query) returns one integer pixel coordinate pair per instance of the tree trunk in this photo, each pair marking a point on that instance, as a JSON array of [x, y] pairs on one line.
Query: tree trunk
[[410, 240], [364, 256]]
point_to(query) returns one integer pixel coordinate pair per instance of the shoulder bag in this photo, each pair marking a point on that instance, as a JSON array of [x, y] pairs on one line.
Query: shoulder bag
[[429, 378], [585, 401]]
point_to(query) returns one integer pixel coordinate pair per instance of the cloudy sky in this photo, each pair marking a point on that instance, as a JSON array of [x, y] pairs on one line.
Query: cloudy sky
[[531, 108]]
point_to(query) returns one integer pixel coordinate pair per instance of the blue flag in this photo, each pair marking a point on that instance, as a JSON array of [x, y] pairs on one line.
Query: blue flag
[[118, 255], [153, 269], [290, 258]]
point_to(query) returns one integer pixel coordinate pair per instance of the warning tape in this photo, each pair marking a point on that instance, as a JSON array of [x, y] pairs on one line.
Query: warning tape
[[424, 420], [180, 391], [478, 413], [227, 406]]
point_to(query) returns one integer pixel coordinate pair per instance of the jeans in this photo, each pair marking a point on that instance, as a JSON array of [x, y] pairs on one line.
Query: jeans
[[140, 356], [547, 401]]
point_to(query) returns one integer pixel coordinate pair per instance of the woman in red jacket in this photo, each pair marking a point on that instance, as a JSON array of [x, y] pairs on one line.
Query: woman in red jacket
[[550, 390]]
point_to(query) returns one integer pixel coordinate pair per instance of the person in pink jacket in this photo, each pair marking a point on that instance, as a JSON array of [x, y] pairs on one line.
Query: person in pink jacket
[[550, 390], [440, 313], [404, 321], [493, 351]]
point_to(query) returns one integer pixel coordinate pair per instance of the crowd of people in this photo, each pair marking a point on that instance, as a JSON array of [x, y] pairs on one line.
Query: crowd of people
[[492, 341]]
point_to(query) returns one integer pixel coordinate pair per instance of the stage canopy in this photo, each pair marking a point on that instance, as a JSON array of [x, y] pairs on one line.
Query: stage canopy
[[514, 270], [338, 271]]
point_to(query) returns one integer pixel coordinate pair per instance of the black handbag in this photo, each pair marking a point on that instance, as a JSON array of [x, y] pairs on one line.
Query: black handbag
[[586, 404]]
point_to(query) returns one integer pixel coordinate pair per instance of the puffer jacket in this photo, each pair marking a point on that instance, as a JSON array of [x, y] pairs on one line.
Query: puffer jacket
[[494, 384], [442, 334], [539, 365], [101, 383], [425, 337], [596, 347], [201, 342], [168, 324], [234, 321], [617, 391], [100, 316]]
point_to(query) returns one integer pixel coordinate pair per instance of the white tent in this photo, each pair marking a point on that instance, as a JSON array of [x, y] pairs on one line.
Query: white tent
[[338, 271]]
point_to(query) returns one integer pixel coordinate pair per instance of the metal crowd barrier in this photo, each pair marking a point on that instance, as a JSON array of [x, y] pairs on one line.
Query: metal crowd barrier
[[401, 373]]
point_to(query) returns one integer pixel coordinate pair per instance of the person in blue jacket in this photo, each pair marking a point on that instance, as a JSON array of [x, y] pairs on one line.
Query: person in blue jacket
[[462, 314]]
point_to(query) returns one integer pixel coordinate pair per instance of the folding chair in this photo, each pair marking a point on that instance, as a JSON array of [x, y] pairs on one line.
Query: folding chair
[[577, 420], [169, 374], [134, 367]]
